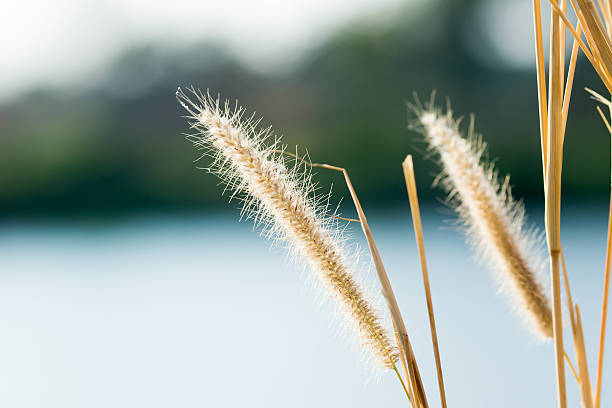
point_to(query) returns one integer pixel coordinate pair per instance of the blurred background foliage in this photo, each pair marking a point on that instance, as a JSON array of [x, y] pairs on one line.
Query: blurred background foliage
[[117, 148]]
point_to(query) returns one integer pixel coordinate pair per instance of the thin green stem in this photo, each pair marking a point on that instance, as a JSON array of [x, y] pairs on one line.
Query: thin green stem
[[399, 376]]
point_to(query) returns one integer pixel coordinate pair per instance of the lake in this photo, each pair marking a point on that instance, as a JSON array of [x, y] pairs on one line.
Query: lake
[[200, 311]]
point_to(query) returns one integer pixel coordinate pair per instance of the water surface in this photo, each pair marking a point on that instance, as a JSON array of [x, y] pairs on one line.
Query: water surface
[[199, 311]]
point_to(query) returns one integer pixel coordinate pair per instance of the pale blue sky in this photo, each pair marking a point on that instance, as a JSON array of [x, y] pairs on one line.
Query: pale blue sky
[[62, 42]]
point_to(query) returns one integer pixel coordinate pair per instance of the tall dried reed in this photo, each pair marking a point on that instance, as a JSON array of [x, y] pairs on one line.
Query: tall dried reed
[[495, 222], [595, 23], [282, 197]]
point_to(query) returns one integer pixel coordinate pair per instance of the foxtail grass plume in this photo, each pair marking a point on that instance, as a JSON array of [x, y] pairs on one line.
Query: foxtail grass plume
[[282, 197], [494, 221]]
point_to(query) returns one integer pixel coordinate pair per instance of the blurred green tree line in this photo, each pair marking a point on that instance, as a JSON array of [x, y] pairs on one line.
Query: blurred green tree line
[[117, 148]]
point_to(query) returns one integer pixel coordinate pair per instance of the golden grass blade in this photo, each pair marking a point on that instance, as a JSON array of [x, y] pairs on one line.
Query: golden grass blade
[[568, 295], [585, 27], [584, 380], [602, 7], [586, 391], [541, 78], [597, 97], [593, 26], [593, 58], [403, 361], [574, 32], [415, 395], [408, 168], [604, 119], [570, 79], [604, 311], [592, 20], [553, 195], [557, 328], [569, 363], [599, 67], [562, 41], [387, 291], [420, 388], [608, 16]]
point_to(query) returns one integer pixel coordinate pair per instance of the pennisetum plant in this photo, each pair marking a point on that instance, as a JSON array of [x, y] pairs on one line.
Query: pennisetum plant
[[494, 221], [282, 197], [279, 193]]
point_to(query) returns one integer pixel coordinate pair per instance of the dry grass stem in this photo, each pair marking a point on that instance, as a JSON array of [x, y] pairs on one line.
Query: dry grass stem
[[404, 363], [603, 118], [606, 284], [554, 157], [570, 80], [282, 197], [571, 366], [494, 220], [414, 387], [604, 310], [586, 391], [598, 47], [583, 379], [418, 394], [408, 168], [541, 76], [599, 54]]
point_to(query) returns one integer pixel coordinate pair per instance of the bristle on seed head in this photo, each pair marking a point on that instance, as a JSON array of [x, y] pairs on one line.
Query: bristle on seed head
[[281, 196], [493, 220]]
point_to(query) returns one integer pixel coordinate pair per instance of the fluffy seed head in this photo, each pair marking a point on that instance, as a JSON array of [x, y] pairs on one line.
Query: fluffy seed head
[[494, 221], [282, 197]]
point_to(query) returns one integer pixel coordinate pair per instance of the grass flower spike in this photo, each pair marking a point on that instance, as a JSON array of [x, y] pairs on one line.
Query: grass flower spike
[[282, 197], [494, 220]]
